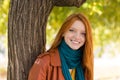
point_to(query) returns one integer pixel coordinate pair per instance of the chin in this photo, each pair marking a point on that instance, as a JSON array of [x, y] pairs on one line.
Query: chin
[[75, 48]]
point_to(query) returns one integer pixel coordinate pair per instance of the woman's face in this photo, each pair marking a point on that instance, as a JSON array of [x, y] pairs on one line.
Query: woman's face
[[75, 35]]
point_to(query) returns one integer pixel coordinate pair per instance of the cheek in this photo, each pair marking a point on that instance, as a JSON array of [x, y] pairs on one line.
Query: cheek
[[67, 38], [67, 35], [84, 40]]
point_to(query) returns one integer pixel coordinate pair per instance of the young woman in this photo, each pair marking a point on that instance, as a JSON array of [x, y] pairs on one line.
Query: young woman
[[71, 54]]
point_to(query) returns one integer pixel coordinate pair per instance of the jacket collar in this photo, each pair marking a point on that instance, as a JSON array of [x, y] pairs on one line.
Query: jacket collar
[[55, 57]]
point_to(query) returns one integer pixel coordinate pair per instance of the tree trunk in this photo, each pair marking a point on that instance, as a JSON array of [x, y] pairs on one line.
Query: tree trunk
[[27, 34]]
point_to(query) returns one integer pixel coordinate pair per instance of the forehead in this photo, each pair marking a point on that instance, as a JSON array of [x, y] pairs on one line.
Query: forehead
[[78, 25]]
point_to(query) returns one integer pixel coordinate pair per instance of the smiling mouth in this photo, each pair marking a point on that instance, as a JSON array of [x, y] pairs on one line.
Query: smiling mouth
[[75, 42]]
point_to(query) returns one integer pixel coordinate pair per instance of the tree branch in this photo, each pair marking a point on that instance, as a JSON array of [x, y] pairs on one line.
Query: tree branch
[[61, 3]]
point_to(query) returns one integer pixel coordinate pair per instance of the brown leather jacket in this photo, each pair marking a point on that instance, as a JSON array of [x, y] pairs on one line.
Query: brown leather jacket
[[47, 67]]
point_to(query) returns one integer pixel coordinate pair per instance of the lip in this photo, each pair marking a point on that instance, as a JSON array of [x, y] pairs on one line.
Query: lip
[[75, 42]]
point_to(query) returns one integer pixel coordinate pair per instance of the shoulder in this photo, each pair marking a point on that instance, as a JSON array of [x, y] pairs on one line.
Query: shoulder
[[43, 58], [41, 63], [44, 55], [48, 58], [39, 68]]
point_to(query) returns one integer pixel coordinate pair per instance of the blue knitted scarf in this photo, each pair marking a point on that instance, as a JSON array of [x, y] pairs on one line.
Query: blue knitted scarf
[[70, 59]]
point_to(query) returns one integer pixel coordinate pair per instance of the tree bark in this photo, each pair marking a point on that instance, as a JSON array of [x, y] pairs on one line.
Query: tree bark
[[27, 33], [76, 3]]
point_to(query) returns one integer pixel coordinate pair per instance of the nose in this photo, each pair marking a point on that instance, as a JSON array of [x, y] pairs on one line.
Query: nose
[[77, 36]]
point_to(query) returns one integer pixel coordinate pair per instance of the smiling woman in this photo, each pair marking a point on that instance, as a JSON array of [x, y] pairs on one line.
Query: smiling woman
[[71, 54]]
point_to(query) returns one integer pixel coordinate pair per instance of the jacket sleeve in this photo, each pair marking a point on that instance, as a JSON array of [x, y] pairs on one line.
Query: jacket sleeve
[[38, 70]]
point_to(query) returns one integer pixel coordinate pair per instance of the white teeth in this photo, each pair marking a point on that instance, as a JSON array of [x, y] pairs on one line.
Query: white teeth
[[75, 42]]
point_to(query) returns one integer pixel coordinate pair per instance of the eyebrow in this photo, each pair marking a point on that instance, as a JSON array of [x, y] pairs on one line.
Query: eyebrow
[[72, 28]]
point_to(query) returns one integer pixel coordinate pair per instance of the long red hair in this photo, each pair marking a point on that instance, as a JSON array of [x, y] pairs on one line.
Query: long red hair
[[87, 60]]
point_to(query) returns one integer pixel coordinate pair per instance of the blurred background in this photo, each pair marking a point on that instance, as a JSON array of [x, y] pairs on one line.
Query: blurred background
[[104, 16]]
